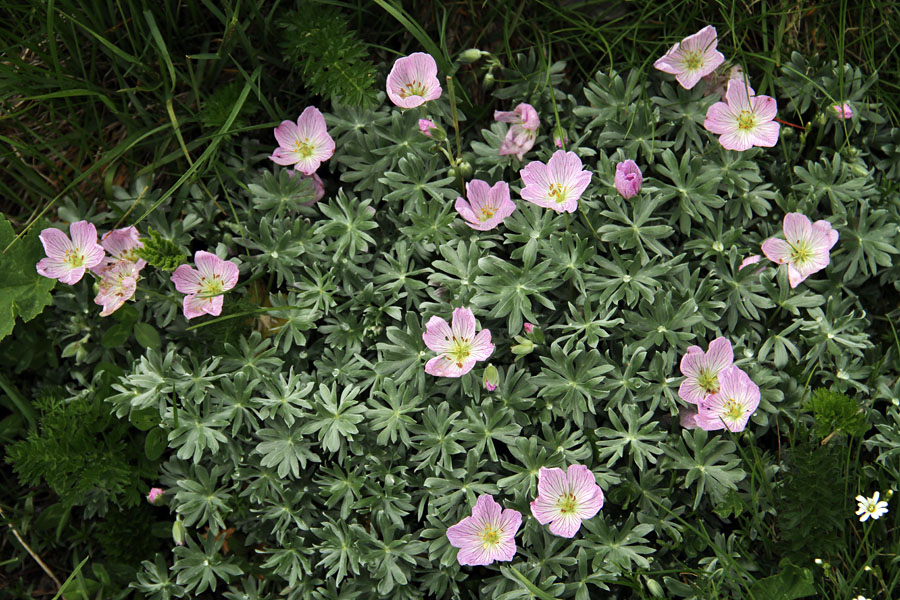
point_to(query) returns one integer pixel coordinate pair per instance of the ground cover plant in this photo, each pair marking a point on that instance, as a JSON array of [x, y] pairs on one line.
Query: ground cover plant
[[626, 333]]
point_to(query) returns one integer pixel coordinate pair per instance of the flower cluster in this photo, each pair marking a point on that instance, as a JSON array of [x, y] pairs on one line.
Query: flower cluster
[[723, 394], [68, 259], [564, 500], [744, 120]]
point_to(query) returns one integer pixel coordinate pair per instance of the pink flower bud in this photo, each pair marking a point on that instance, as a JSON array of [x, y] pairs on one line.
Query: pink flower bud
[[529, 327], [154, 495], [628, 178], [843, 111], [491, 378], [425, 126]]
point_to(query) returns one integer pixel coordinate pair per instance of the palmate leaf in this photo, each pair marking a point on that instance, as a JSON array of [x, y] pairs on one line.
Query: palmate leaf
[[23, 293], [508, 289], [710, 464]]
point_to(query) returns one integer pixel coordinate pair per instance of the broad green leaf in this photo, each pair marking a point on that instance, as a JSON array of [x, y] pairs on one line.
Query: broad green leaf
[[23, 293]]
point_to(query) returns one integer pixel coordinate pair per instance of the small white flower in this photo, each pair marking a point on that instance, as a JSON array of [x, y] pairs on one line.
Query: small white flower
[[860, 597], [871, 507]]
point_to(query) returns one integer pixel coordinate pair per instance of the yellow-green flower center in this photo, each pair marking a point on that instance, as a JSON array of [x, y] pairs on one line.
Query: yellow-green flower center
[[567, 503], [304, 148], [74, 258], [733, 410], [693, 61], [413, 88], [708, 381], [490, 536], [211, 287], [486, 213], [801, 253], [558, 192], [459, 351], [746, 120]]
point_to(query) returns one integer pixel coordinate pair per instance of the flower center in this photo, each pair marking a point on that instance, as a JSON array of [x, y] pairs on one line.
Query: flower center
[[801, 253], [746, 121], [733, 410], [74, 258], [459, 351], [413, 88], [693, 61], [872, 507], [490, 536], [211, 287], [567, 503], [487, 213], [558, 192], [708, 381], [305, 148]]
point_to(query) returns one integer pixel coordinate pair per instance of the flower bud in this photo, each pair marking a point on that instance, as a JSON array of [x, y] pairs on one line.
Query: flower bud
[[654, 588], [525, 346], [488, 81], [491, 378], [529, 327], [154, 495], [464, 168], [178, 532], [432, 130], [628, 178], [843, 111], [467, 57], [559, 137]]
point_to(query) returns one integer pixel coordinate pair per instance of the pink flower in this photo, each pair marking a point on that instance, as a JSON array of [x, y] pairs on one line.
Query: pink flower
[[843, 111], [67, 259], [566, 498], [744, 120], [413, 80], [154, 495], [750, 260], [520, 137], [731, 406], [557, 185], [487, 535], [806, 249], [458, 346], [702, 369], [425, 126], [121, 245], [529, 327], [628, 178], [692, 58], [205, 285], [304, 145], [487, 206], [118, 283]]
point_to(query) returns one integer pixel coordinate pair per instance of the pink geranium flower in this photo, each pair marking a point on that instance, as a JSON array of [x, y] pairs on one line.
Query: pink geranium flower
[[557, 185], [488, 535], [806, 249], [305, 144], [67, 259], [566, 498], [701, 370], [744, 120], [118, 283], [520, 137], [458, 346], [687, 417], [121, 245], [843, 111], [413, 80], [692, 58], [487, 205], [205, 285], [628, 178], [731, 406]]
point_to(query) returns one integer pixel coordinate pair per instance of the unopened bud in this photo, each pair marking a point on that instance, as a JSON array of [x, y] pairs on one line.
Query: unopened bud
[[559, 137], [488, 80], [654, 588], [178, 532], [154, 495], [491, 378], [467, 57], [464, 168]]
